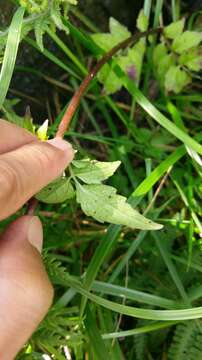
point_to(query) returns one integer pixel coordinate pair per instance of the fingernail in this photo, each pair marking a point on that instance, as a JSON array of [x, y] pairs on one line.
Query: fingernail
[[61, 144], [35, 233]]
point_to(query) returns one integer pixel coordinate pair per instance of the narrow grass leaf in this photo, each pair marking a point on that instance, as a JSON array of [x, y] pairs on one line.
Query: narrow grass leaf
[[10, 53], [147, 314], [142, 330], [95, 338]]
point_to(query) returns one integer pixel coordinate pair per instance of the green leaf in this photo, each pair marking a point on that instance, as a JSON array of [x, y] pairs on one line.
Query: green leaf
[[131, 64], [56, 14], [117, 34], [103, 204], [192, 59], [164, 64], [118, 30], [56, 192], [10, 53], [107, 77], [159, 52], [174, 29], [105, 41], [95, 338], [142, 313], [142, 21], [9, 112], [176, 79], [39, 30], [186, 41], [93, 171]]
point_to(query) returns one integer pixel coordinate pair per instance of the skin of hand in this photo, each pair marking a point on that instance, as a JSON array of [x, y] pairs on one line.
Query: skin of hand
[[26, 166]]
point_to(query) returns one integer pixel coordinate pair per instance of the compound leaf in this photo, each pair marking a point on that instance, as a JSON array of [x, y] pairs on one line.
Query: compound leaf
[[103, 204]]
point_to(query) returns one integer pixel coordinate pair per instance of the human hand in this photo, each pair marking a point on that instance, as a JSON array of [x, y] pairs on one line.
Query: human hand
[[26, 166]]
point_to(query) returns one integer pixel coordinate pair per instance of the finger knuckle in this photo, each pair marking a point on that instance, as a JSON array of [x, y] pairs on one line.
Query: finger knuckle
[[8, 180], [46, 158]]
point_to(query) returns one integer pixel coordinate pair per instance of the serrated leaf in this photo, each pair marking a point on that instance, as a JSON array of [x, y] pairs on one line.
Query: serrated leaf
[[94, 172], [142, 21], [174, 29], [118, 30], [103, 204], [56, 15], [186, 41], [39, 30], [131, 64], [164, 64], [107, 77], [159, 52], [105, 40], [117, 34], [58, 191], [80, 164], [191, 59], [176, 79]]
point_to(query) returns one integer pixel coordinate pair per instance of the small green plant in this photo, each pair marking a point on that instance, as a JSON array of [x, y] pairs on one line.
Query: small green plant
[[130, 62], [42, 14], [96, 199], [128, 277], [178, 57]]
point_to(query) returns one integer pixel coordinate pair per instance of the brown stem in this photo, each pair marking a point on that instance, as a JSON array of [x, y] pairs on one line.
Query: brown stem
[[72, 107], [31, 206]]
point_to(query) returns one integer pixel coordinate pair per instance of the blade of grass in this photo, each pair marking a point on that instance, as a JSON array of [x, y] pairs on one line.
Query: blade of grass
[[148, 314], [158, 10], [175, 9], [52, 58], [141, 330], [147, 7], [139, 296], [160, 242], [95, 338], [156, 174], [187, 203], [67, 51], [158, 116], [10, 54]]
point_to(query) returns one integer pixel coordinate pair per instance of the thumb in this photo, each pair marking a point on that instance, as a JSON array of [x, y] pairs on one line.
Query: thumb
[[26, 292], [26, 170]]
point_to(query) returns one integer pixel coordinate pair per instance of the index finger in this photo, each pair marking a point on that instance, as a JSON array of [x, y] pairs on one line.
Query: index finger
[[13, 136]]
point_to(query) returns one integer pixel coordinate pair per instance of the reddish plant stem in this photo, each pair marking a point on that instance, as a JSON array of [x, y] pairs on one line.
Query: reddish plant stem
[[31, 206], [73, 105]]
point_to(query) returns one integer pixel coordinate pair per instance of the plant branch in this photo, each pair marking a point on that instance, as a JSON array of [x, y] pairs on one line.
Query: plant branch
[[73, 105]]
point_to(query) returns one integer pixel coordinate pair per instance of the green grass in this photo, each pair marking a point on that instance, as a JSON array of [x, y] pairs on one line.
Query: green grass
[[116, 287]]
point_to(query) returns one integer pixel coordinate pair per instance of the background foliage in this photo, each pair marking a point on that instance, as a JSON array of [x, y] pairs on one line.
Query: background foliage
[[144, 110]]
